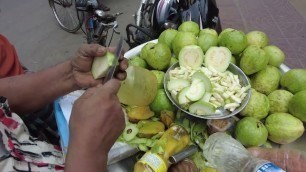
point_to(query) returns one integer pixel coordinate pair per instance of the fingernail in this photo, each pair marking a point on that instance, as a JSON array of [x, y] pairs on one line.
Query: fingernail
[[100, 49]]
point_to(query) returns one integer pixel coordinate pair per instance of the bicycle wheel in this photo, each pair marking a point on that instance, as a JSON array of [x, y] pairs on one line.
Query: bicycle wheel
[[67, 15]]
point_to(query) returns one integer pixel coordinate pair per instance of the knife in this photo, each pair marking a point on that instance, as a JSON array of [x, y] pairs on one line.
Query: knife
[[111, 71]]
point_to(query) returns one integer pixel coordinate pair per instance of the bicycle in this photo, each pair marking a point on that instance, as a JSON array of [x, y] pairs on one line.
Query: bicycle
[[73, 14]]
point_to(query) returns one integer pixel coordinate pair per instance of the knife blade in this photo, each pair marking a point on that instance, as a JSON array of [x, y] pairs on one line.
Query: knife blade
[[111, 71]]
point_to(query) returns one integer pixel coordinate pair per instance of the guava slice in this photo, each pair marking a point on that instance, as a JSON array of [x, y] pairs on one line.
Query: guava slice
[[177, 84], [200, 75], [202, 108], [182, 99], [206, 97], [130, 132], [218, 58], [101, 65], [191, 56], [196, 90]]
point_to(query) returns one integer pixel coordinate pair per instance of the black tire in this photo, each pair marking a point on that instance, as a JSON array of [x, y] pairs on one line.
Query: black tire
[[68, 18]]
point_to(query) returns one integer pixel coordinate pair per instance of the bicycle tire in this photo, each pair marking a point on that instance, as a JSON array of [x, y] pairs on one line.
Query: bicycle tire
[[75, 17]]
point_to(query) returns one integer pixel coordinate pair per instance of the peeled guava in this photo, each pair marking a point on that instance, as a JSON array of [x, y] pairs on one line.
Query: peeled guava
[[144, 50], [276, 56], [181, 40], [266, 80], [257, 107], [100, 65], [160, 78], [167, 37], [283, 128], [207, 40], [279, 101], [297, 105], [189, 26], [191, 56], [294, 80], [159, 56], [250, 131], [234, 40], [208, 30], [253, 59], [137, 61], [257, 38]]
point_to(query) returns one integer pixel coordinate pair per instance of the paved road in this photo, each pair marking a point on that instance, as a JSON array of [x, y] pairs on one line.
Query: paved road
[[31, 27]]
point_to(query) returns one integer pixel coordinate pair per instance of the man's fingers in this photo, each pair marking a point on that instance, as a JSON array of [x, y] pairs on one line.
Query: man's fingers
[[121, 75], [92, 50], [112, 86], [123, 65], [113, 50]]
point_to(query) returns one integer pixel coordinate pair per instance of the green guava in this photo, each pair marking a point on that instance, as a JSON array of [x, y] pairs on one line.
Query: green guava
[[234, 40], [144, 50], [294, 80], [159, 56], [276, 56], [250, 131], [257, 107], [223, 32], [253, 59], [160, 78], [181, 40], [279, 101], [257, 38], [297, 105], [207, 40], [137, 61], [283, 128], [190, 26], [161, 102], [208, 30], [173, 61], [266, 80], [167, 37]]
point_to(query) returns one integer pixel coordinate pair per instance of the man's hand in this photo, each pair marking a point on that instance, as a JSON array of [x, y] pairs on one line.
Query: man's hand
[[96, 122], [81, 65]]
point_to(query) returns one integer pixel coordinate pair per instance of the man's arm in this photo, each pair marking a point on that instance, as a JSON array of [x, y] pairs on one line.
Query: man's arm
[[30, 92]]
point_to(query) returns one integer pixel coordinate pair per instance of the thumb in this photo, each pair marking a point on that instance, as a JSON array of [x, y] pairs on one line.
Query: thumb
[[112, 86]]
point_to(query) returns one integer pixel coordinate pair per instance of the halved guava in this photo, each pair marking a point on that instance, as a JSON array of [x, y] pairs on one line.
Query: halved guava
[[218, 58], [191, 56]]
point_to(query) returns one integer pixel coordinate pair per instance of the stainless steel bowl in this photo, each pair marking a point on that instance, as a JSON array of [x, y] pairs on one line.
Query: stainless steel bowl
[[224, 113]]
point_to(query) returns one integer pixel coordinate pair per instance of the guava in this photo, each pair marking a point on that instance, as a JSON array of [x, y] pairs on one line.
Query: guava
[[218, 58], [190, 26], [144, 50], [208, 30], [160, 78], [159, 56], [207, 40], [224, 31], [250, 131], [257, 107], [234, 40], [257, 38], [181, 40], [173, 61], [253, 59], [283, 128], [167, 36], [266, 80], [100, 65], [137, 61], [276, 55], [191, 56], [161, 102], [294, 80], [297, 105], [279, 101]]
